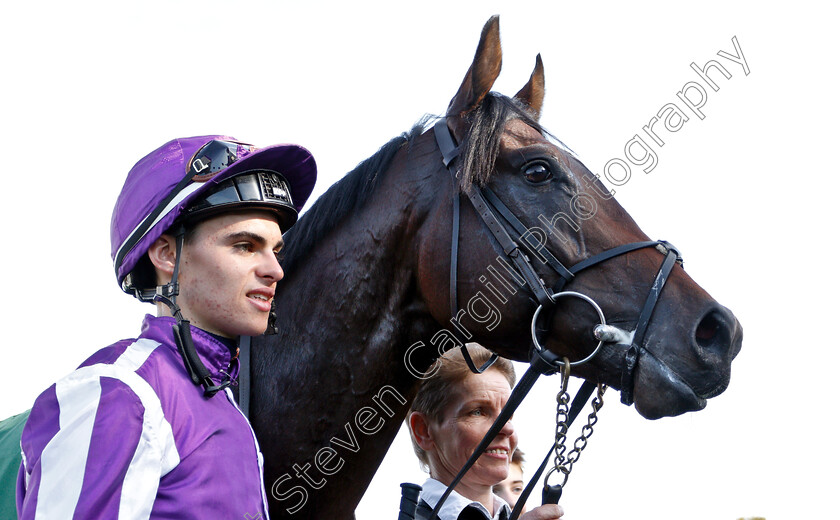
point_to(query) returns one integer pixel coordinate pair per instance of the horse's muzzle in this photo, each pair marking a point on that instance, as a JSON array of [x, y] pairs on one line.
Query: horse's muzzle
[[664, 388]]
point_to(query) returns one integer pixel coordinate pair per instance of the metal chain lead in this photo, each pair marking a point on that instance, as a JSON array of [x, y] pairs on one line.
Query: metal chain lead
[[563, 463], [587, 430], [562, 426]]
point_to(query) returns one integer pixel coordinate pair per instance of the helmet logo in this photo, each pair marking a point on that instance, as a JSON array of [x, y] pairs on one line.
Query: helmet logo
[[201, 169], [200, 164], [275, 186]]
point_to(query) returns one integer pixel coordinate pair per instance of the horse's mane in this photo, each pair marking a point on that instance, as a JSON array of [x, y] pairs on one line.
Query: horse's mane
[[478, 153], [343, 198]]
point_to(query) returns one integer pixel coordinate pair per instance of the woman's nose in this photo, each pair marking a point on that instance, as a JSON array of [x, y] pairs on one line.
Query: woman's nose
[[507, 429]]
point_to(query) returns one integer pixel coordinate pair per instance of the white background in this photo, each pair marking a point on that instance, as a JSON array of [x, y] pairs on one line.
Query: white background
[[748, 194]]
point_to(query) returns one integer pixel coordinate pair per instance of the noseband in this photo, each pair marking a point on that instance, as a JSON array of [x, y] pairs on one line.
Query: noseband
[[499, 220]]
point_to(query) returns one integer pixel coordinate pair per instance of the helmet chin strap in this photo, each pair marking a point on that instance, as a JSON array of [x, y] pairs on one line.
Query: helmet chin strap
[[167, 294]]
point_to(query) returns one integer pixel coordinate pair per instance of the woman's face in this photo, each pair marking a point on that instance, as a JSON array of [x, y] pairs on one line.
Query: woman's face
[[475, 404]]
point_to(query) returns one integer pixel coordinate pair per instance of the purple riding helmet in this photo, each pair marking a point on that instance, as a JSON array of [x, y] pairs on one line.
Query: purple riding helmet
[[187, 180]]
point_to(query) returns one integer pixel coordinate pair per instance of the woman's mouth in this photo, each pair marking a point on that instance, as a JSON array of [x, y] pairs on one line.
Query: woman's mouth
[[497, 452]]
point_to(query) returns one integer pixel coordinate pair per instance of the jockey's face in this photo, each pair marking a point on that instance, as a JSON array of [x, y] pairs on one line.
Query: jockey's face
[[229, 271]]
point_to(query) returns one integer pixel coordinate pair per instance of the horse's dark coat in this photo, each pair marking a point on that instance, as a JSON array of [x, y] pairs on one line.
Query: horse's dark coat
[[367, 273]]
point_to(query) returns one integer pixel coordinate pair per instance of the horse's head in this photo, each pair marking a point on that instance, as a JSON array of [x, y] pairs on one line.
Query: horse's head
[[682, 357]]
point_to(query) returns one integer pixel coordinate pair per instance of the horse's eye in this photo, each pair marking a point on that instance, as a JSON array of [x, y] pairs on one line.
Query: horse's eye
[[537, 172]]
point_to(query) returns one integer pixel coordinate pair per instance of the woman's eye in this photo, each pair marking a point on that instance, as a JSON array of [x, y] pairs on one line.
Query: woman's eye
[[537, 172]]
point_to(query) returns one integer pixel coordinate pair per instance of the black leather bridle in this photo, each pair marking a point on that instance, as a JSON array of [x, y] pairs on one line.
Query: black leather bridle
[[500, 221]]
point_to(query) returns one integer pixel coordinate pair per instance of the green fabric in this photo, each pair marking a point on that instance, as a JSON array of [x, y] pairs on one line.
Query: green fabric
[[10, 431]]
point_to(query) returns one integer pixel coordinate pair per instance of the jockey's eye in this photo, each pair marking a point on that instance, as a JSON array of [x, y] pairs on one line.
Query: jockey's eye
[[536, 172]]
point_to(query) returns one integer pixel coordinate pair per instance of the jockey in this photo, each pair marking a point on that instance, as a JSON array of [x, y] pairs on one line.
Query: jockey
[[147, 427]]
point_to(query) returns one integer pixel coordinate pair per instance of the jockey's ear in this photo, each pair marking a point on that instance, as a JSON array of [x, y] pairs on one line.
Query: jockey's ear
[[533, 93], [162, 254], [480, 77]]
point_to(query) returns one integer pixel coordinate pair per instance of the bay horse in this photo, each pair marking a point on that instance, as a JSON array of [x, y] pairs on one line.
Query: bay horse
[[364, 309]]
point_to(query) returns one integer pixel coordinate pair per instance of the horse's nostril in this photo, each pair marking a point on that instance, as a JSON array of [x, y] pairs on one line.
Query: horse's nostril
[[706, 331], [712, 333]]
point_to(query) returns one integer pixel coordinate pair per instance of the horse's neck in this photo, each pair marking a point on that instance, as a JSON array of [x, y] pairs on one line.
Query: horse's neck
[[354, 291], [334, 377]]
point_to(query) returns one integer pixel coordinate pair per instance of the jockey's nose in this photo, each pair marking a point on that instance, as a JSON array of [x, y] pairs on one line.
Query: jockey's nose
[[270, 268]]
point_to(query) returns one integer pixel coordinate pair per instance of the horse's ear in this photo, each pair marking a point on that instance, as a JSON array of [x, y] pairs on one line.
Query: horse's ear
[[483, 72], [533, 93]]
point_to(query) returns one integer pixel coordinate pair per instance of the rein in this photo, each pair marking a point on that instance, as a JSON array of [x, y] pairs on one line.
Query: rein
[[499, 219]]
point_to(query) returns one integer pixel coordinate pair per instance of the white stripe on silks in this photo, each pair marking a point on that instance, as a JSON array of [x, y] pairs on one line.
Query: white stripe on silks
[[64, 458], [136, 354], [156, 453]]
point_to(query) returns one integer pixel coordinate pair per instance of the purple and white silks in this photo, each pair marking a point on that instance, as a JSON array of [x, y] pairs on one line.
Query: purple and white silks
[[128, 435]]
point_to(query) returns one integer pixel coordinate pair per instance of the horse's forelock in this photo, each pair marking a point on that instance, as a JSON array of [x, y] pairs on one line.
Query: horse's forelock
[[486, 124]]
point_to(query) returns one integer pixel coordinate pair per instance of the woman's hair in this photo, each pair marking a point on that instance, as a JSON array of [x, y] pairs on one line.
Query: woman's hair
[[436, 391]]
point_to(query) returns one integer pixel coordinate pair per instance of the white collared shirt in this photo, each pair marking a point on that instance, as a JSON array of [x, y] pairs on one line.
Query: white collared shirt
[[455, 502]]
